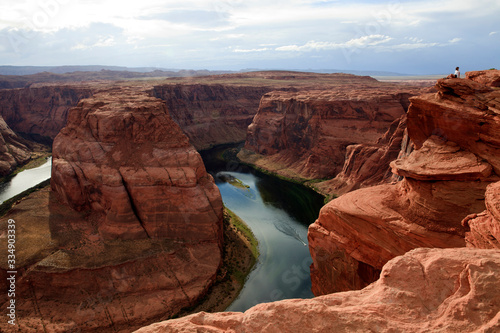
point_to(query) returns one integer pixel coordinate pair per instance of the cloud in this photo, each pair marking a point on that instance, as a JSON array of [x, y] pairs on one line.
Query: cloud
[[237, 34], [101, 42], [361, 42], [251, 50], [410, 46]]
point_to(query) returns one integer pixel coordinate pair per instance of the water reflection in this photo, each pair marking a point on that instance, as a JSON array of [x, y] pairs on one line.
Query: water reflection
[[25, 180], [278, 213]]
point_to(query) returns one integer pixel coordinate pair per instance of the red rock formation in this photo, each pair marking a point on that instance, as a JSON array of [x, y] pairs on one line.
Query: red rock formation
[[463, 111], [40, 109], [211, 114], [305, 134], [484, 228], [426, 290], [445, 179], [70, 280], [132, 231], [489, 78], [368, 164], [123, 157], [14, 150]]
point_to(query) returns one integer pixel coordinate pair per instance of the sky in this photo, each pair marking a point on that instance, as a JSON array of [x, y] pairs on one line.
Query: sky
[[404, 36]]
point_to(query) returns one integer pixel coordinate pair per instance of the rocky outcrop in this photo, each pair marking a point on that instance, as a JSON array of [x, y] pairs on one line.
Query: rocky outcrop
[[211, 114], [124, 158], [14, 151], [305, 134], [484, 228], [444, 180], [40, 110], [71, 280], [414, 294], [463, 111], [368, 164], [131, 231], [489, 78]]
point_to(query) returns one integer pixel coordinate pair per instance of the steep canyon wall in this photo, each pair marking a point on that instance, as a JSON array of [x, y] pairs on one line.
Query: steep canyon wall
[[131, 230], [211, 114], [14, 150], [306, 134], [444, 180], [439, 203], [40, 110]]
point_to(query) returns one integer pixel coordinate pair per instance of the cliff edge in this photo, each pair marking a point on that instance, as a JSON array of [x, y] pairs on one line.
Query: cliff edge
[[443, 180], [131, 231]]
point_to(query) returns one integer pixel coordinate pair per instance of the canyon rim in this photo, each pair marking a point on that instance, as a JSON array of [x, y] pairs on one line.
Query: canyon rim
[[130, 231]]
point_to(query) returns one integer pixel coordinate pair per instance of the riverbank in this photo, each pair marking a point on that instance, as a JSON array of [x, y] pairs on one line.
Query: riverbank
[[240, 254], [38, 158], [36, 213], [274, 169]]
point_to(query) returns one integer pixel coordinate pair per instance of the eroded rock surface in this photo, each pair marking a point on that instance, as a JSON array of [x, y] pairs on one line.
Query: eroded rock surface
[[212, 114], [369, 164], [14, 151], [40, 110], [426, 290], [124, 158], [304, 134], [484, 228], [444, 180], [131, 231]]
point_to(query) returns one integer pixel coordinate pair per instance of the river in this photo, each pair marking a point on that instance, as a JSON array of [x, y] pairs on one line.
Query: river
[[279, 213], [25, 180]]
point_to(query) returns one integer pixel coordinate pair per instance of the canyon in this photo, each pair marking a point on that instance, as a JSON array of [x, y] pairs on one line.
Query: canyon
[[211, 115], [424, 249], [40, 110], [444, 180], [305, 134], [132, 218], [131, 229]]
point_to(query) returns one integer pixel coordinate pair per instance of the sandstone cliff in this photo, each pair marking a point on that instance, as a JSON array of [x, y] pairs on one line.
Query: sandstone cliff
[[305, 134], [444, 180], [484, 228], [122, 156], [211, 114], [40, 109], [426, 290], [14, 151], [368, 164], [132, 229]]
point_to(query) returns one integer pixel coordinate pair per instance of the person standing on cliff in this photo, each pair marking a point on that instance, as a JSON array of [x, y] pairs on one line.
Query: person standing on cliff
[[457, 73]]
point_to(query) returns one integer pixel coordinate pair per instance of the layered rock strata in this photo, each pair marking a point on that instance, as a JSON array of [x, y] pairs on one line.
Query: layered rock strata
[[40, 110], [14, 151], [131, 231], [444, 180], [305, 134], [368, 164], [124, 158], [484, 228], [211, 114], [426, 290]]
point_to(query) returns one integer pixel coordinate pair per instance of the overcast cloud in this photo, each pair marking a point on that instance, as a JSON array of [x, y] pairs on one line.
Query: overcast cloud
[[414, 37]]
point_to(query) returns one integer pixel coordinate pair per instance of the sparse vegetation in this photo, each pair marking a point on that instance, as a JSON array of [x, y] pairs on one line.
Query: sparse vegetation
[[240, 253]]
